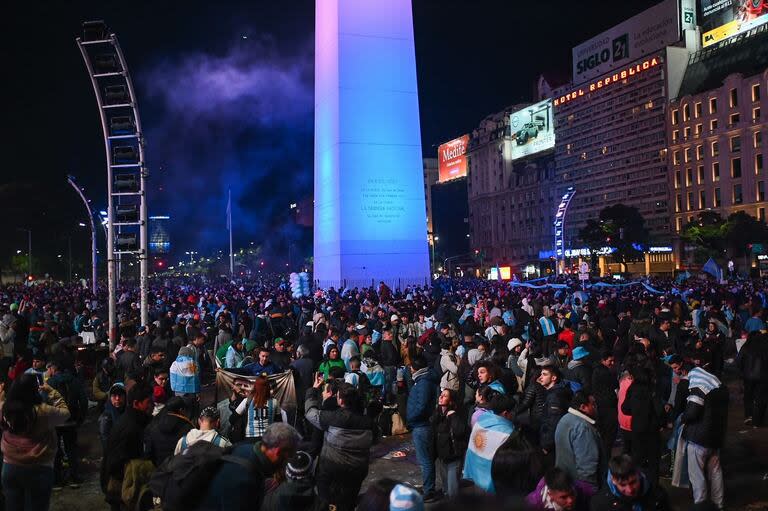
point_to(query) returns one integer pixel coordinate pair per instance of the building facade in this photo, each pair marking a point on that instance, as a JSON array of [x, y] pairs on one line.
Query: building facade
[[716, 129], [430, 179]]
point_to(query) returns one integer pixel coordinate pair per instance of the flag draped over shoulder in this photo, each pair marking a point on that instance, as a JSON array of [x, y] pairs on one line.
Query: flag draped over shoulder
[[281, 383], [185, 377], [488, 434]]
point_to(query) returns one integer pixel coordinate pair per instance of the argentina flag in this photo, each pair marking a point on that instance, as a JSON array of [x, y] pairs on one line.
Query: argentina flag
[[488, 434]]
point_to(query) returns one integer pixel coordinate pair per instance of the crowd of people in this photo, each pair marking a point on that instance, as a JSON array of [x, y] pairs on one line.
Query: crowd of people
[[542, 398]]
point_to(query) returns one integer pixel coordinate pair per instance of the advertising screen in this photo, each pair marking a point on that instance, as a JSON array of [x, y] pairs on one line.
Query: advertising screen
[[452, 159], [721, 19], [532, 129], [633, 39]]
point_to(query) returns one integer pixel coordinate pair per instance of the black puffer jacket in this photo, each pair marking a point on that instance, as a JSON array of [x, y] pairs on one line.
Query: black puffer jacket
[[604, 385], [706, 417], [534, 399], [558, 398], [581, 372], [163, 433], [644, 407], [450, 435], [753, 358]]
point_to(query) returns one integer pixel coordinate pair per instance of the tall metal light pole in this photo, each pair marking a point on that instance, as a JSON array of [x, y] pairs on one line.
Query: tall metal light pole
[[71, 181]]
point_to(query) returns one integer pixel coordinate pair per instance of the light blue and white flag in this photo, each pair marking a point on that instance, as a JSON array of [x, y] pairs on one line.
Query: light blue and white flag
[[712, 268], [488, 434]]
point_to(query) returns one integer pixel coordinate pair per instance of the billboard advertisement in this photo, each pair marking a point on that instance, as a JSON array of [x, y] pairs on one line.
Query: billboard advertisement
[[639, 36], [452, 159], [721, 19], [532, 129]]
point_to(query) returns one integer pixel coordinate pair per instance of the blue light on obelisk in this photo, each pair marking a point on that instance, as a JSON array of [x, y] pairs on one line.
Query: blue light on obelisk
[[370, 219]]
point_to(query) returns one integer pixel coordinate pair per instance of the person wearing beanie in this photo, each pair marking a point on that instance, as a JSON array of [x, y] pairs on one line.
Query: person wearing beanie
[[405, 498], [579, 370], [297, 491]]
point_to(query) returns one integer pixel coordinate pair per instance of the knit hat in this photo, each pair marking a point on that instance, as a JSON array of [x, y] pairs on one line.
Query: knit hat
[[299, 467], [210, 412], [579, 353], [404, 497], [514, 343]]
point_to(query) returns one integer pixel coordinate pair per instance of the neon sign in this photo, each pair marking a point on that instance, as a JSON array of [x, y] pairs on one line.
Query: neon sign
[[610, 79]]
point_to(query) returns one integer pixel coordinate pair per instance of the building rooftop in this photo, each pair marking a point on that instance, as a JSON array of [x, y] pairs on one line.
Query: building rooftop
[[708, 68]]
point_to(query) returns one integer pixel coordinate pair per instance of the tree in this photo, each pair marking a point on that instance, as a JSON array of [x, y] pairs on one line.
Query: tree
[[741, 230], [620, 227], [707, 233]]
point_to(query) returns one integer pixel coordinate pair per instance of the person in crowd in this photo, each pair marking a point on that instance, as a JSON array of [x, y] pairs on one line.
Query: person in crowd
[[234, 488], [348, 436], [604, 387], [578, 446], [419, 409], [262, 366], [558, 395], [389, 358], [161, 389], [628, 489], [127, 361], [558, 491], [331, 362], [645, 408], [579, 370], [185, 373], [296, 492], [166, 429], [155, 361], [280, 357], [113, 409], [252, 416], [752, 362], [449, 366], [71, 388], [491, 431], [126, 441], [450, 434], [103, 381], [209, 422], [235, 354], [30, 415], [705, 422]]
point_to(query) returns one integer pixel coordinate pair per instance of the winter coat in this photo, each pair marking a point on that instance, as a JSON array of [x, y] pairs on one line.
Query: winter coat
[[534, 399], [449, 368], [580, 372], [234, 488], [753, 359], [107, 420], [71, 389], [652, 498], [348, 435], [164, 433], [421, 399], [291, 495], [645, 408], [578, 447], [125, 442], [127, 362], [450, 435], [556, 405], [604, 385], [388, 354], [706, 417]]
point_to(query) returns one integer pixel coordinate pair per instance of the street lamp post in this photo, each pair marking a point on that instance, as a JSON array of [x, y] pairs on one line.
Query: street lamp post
[[71, 181], [435, 239]]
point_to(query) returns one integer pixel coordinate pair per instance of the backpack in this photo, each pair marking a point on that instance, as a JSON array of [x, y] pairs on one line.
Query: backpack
[[181, 481]]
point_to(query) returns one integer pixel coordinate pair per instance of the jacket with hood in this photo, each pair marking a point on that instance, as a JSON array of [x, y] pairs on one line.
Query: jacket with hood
[[164, 433], [347, 438], [534, 399], [651, 498], [556, 405], [421, 399], [580, 372], [450, 370], [752, 359], [198, 435], [71, 389], [7, 335], [109, 416], [578, 448]]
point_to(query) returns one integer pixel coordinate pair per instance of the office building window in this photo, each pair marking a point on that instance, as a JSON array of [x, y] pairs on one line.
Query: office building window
[[756, 92], [686, 113], [757, 139], [678, 203], [756, 114], [713, 125], [734, 98], [677, 179], [688, 176], [737, 196], [697, 110], [689, 201], [715, 149], [717, 200], [700, 174], [736, 168], [675, 135], [716, 171], [712, 105], [758, 163], [735, 144], [676, 157], [697, 130], [679, 224], [687, 154], [686, 132], [733, 120], [675, 117], [702, 199], [761, 191], [699, 152]]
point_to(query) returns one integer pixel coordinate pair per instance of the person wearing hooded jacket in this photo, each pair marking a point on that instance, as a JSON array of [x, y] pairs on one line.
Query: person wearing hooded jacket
[[348, 436], [628, 489], [165, 430], [420, 405], [579, 369]]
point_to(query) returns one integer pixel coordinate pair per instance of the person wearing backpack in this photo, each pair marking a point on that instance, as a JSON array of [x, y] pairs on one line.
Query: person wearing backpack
[[237, 483], [166, 429], [209, 421], [71, 389]]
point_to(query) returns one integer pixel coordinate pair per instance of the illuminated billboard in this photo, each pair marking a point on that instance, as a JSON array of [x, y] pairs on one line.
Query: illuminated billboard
[[532, 129], [721, 19], [452, 159], [639, 36]]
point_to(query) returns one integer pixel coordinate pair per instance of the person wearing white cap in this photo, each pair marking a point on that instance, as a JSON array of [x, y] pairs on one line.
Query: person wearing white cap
[[405, 498]]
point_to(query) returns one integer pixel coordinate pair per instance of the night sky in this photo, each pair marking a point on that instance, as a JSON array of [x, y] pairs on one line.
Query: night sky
[[225, 94]]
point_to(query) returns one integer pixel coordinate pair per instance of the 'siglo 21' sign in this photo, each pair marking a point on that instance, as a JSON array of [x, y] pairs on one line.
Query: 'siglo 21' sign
[[610, 79]]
